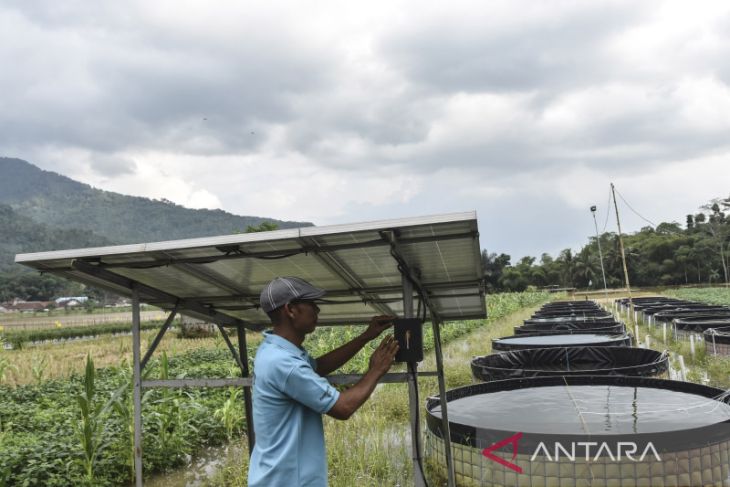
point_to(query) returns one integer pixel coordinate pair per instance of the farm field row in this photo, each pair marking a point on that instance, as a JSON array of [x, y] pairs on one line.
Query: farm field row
[[714, 295], [41, 433], [32, 322]]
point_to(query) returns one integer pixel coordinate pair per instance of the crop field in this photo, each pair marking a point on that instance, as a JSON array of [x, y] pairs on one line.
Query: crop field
[[41, 320], [712, 295], [66, 411]]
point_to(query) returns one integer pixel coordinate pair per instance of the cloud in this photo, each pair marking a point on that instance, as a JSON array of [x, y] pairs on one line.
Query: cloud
[[333, 113]]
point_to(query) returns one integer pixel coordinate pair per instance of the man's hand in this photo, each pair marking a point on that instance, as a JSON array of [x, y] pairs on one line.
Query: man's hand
[[378, 324], [382, 358]]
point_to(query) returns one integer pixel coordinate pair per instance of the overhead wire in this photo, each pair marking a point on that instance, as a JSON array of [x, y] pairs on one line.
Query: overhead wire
[[632, 209], [608, 212]]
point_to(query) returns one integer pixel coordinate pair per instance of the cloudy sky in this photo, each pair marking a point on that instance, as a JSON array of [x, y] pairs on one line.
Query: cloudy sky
[[336, 112]]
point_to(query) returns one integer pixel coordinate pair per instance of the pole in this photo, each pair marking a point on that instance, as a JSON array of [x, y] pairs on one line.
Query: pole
[[418, 479], [247, 403], [445, 429], [600, 253], [623, 258], [137, 392]]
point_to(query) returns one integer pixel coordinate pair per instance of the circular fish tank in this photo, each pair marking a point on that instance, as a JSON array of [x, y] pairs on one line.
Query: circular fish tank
[[522, 342], [717, 340], [570, 325], [544, 320], [576, 431], [638, 362], [602, 328], [669, 315], [703, 322]]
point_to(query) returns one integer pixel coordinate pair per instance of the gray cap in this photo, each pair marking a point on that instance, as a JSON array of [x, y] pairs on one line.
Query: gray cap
[[283, 290]]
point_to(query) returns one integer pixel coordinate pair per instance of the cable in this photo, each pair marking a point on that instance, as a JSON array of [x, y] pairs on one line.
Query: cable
[[608, 211], [635, 212], [412, 370], [405, 271]]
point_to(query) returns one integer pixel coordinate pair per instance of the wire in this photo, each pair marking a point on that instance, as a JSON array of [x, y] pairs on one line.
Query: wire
[[608, 211], [635, 212], [413, 371]]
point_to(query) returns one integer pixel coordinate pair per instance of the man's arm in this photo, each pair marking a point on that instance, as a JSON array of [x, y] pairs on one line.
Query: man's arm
[[335, 359], [354, 397]]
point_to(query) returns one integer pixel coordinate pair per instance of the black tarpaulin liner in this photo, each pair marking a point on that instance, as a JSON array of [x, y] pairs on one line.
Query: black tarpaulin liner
[[570, 325], [560, 329], [521, 342], [669, 315], [607, 318], [574, 312], [682, 440], [718, 335], [599, 313], [702, 322], [570, 361]]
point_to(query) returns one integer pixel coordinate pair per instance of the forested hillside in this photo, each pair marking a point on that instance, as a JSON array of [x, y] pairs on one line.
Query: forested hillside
[[57, 201], [21, 234], [42, 210]]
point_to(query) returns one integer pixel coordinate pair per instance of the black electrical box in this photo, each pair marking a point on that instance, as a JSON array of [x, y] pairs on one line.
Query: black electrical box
[[409, 334]]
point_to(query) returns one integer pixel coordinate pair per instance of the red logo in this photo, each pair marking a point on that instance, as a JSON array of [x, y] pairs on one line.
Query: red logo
[[487, 452]]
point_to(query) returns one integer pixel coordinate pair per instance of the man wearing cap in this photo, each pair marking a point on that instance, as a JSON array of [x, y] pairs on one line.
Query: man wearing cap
[[290, 393]]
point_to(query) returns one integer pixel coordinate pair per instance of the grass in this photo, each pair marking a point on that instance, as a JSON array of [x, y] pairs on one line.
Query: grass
[[373, 447], [62, 361], [712, 295], [701, 367], [39, 414]]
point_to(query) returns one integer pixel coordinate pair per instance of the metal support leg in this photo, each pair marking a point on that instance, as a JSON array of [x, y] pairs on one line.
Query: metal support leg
[[445, 430], [158, 339], [248, 404], [137, 391], [418, 479], [236, 355]]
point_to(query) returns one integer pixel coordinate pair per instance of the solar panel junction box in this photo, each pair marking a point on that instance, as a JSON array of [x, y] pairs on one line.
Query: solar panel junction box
[[409, 334]]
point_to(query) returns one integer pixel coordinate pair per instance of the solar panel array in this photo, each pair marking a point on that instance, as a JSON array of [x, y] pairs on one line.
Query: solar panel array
[[358, 264]]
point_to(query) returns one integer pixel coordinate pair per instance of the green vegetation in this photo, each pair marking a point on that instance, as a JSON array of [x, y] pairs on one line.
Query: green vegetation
[[55, 201], [18, 338], [40, 423], [665, 255], [372, 447], [701, 367], [42, 210], [715, 295], [49, 439]]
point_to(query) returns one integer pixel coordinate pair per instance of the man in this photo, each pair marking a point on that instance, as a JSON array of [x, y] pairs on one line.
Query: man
[[290, 393]]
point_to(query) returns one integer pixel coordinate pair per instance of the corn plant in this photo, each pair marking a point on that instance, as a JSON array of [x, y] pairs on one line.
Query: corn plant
[[169, 416], [5, 367], [230, 413], [38, 368], [91, 425], [123, 405]]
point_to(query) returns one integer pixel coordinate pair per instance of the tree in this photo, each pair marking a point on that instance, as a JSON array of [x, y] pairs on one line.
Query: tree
[[262, 227], [718, 227], [493, 266]]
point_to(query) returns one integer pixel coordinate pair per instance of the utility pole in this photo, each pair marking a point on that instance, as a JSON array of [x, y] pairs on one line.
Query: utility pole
[[623, 258], [600, 254]]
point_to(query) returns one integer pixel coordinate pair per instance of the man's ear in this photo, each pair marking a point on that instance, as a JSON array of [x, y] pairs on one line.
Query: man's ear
[[288, 310]]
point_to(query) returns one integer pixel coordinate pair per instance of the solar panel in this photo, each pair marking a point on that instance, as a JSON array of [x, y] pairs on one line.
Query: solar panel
[[219, 278]]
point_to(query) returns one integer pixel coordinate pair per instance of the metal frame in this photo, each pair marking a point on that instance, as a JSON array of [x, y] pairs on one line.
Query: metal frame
[[86, 265], [241, 358]]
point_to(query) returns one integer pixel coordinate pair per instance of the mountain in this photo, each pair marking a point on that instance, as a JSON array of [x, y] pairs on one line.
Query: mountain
[[21, 234], [56, 201]]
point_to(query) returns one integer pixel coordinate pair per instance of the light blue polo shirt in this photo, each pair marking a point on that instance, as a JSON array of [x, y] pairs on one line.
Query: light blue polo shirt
[[289, 398]]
